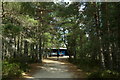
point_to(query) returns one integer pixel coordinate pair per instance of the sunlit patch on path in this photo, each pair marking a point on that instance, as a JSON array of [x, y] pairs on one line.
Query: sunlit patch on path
[[57, 69]]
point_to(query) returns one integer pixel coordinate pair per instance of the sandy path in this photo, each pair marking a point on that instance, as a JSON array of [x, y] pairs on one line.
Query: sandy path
[[56, 69]]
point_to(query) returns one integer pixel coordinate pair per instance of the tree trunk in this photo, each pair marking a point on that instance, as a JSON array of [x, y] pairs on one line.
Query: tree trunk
[[40, 49]]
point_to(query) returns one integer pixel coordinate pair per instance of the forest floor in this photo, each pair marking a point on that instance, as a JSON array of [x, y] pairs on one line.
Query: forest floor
[[53, 68]]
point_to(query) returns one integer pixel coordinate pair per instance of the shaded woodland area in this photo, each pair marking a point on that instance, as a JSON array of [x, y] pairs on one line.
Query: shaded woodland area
[[90, 31]]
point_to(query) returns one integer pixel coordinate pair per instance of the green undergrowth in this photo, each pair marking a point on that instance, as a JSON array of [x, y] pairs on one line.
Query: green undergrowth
[[14, 67], [85, 65], [21, 62], [93, 70], [11, 70], [105, 74]]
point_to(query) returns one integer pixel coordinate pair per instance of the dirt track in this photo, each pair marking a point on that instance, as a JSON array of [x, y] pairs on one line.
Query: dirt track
[[53, 68]]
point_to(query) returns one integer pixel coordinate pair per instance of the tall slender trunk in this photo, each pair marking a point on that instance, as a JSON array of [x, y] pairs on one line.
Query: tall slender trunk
[[18, 45], [26, 50], [99, 32], [36, 53], [40, 49], [15, 44], [21, 45], [118, 37]]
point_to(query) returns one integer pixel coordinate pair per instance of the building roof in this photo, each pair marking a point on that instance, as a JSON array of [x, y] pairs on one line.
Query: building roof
[[58, 48]]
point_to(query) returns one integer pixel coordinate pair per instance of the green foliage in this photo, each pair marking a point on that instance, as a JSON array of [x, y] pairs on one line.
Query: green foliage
[[12, 6], [11, 70], [23, 64], [27, 8], [85, 64], [104, 74], [12, 29]]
